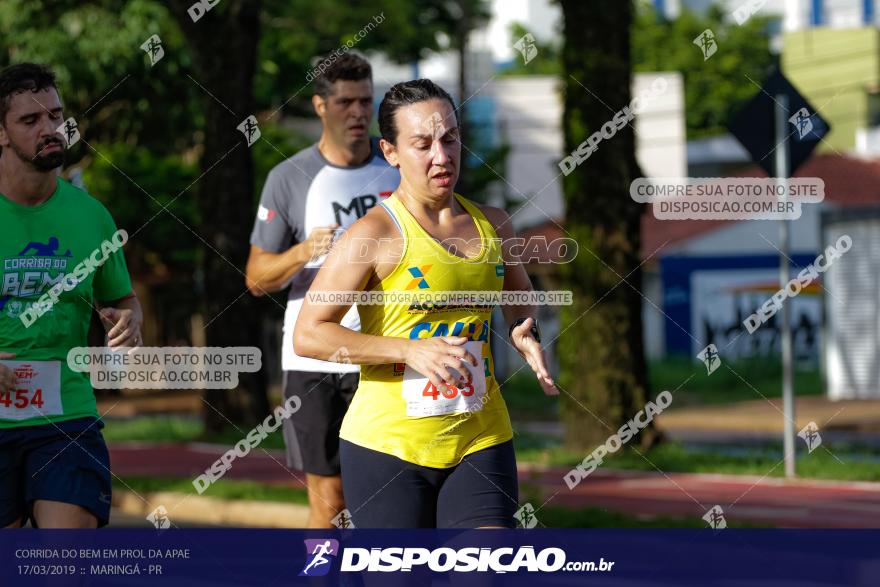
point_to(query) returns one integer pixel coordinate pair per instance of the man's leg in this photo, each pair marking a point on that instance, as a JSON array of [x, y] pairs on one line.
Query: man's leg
[[12, 504], [325, 499], [311, 437], [55, 514]]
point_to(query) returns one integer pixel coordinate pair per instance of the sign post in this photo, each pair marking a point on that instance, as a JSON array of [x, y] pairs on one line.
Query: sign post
[[781, 114], [761, 127]]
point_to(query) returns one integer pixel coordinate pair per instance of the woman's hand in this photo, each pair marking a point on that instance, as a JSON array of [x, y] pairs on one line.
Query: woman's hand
[[530, 350], [434, 357]]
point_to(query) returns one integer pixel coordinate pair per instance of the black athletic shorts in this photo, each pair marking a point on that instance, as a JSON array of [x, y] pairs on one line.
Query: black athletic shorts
[[383, 491], [311, 434], [63, 461]]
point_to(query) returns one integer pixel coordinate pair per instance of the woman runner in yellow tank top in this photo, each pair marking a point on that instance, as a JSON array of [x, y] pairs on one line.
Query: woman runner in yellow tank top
[[426, 441]]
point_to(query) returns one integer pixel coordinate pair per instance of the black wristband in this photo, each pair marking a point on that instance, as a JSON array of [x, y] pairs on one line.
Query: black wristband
[[533, 330]]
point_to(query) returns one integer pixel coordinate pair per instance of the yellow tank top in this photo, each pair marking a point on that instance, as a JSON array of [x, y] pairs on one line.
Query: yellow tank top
[[395, 409]]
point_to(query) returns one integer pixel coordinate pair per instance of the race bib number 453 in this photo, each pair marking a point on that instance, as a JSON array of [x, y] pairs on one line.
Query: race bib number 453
[[37, 390], [424, 399]]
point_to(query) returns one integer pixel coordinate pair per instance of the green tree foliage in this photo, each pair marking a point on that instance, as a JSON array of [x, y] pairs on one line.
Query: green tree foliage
[[714, 88], [105, 79], [297, 31], [545, 62]]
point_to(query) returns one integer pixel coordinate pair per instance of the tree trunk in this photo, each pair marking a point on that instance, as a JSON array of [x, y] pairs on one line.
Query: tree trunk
[[223, 47], [601, 354], [461, 34]]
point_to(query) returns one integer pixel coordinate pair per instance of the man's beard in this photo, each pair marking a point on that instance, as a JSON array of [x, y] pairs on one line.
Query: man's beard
[[43, 161]]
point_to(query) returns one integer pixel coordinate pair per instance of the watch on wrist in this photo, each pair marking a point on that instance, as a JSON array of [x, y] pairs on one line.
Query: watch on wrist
[[533, 330]]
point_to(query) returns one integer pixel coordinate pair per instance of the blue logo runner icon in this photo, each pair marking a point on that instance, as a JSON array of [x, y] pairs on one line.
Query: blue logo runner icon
[[321, 553], [40, 250]]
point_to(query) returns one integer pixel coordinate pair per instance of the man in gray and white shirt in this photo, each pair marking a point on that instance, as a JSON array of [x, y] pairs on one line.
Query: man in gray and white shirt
[[306, 202]]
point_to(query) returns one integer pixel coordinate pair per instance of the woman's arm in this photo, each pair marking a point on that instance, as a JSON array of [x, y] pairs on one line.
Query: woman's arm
[[516, 279], [363, 253], [318, 333]]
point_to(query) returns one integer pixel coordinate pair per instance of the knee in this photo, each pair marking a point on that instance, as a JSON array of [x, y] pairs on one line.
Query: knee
[[15, 524], [330, 501], [328, 495]]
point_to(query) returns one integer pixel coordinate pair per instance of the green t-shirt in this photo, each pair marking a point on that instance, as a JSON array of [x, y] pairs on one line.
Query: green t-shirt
[[57, 242]]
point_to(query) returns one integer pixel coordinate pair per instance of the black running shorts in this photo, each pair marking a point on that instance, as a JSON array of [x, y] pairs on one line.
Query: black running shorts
[[383, 491], [311, 435]]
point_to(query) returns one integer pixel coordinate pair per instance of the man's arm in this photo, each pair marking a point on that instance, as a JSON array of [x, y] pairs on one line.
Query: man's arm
[[272, 261], [7, 377], [267, 272]]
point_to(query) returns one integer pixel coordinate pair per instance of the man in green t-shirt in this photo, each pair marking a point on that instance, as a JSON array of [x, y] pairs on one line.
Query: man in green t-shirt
[[61, 256]]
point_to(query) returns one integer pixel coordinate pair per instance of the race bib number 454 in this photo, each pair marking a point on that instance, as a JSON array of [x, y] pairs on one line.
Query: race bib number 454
[[424, 399], [37, 390]]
